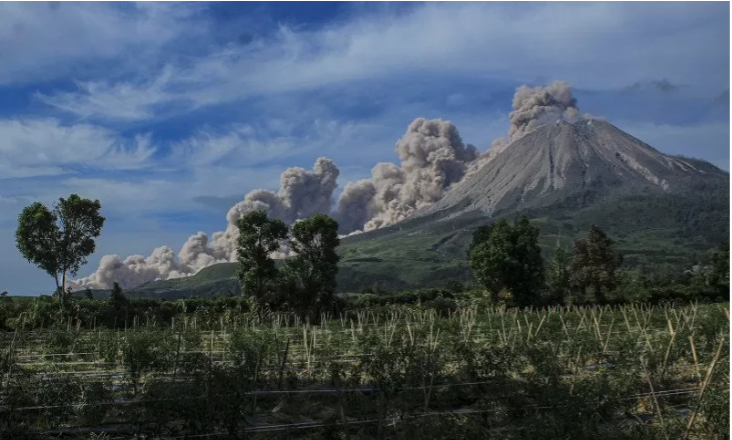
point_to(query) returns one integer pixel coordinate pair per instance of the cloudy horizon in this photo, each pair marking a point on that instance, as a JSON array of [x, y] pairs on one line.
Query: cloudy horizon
[[169, 113]]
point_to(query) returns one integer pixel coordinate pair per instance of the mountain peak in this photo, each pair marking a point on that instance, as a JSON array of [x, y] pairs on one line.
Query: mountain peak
[[561, 160]]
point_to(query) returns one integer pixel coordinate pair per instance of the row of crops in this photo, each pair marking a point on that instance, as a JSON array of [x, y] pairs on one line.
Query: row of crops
[[583, 373]]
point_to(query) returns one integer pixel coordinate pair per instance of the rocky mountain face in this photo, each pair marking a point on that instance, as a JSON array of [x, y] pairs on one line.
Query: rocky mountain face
[[559, 162], [660, 209]]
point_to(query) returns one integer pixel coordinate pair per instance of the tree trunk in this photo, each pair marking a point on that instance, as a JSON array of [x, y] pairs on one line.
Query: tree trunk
[[58, 291], [599, 295], [63, 288]]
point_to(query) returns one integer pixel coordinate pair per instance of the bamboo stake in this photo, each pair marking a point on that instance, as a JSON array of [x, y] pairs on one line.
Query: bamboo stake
[[668, 349], [707, 379], [655, 404], [177, 355]]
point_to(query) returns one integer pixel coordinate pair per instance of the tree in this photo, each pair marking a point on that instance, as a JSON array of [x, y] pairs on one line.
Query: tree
[[314, 267], [117, 298], [259, 236], [558, 276], [595, 263], [508, 257], [58, 241], [480, 235], [119, 304], [719, 273], [88, 293]]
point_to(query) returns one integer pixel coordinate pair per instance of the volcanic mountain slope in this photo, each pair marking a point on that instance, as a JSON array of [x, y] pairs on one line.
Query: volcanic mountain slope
[[560, 162], [659, 209]]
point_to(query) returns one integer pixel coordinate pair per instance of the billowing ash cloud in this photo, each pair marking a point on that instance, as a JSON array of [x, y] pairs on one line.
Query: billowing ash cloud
[[432, 157], [301, 194], [533, 107]]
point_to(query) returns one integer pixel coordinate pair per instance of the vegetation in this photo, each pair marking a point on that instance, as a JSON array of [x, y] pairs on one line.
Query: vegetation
[[507, 257], [259, 237], [310, 276], [630, 372], [595, 263], [674, 228], [307, 281], [581, 350], [59, 240], [558, 277]]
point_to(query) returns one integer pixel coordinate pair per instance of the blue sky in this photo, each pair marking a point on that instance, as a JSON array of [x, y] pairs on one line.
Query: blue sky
[[171, 112]]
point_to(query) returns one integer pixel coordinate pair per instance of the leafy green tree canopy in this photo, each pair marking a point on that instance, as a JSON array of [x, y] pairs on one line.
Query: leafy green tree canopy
[[315, 264], [59, 240], [508, 257], [558, 276], [117, 298], [259, 237], [595, 263], [719, 274]]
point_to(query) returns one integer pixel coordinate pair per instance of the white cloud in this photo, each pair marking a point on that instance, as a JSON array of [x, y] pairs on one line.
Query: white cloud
[[43, 146], [41, 41], [589, 45], [230, 161], [121, 101]]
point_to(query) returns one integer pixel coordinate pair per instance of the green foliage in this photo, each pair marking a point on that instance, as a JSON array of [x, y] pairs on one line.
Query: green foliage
[[118, 304], [311, 273], [595, 263], [117, 298], [58, 241], [259, 236], [508, 257], [719, 274], [400, 373], [558, 277]]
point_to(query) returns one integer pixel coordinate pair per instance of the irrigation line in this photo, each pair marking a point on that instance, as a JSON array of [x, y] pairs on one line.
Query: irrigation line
[[662, 393], [311, 425]]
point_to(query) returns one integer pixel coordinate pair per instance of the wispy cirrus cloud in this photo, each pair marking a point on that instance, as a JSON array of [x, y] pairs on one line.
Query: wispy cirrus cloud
[[44, 146], [49, 40], [599, 48], [171, 112]]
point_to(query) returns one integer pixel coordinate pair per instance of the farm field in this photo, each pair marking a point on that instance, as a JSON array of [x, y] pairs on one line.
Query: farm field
[[631, 372]]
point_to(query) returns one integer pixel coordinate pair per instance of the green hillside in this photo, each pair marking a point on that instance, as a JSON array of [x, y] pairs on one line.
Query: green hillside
[[672, 224], [649, 230]]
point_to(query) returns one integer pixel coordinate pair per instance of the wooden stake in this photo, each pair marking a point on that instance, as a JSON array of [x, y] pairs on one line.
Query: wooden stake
[[707, 379]]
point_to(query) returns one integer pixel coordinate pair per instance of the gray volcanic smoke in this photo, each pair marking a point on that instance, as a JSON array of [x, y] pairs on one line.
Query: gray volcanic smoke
[[432, 158], [301, 194], [533, 107]]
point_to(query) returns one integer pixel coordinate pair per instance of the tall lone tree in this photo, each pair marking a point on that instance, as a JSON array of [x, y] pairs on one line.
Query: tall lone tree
[[259, 236], [595, 263], [508, 257], [59, 240], [315, 265], [558, 276]]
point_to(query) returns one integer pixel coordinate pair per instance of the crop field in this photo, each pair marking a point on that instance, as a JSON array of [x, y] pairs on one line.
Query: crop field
[[631, 372]]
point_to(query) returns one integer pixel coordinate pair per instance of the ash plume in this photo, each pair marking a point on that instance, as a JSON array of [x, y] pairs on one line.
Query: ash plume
[[533, 107], [301, 194], [432, 157]]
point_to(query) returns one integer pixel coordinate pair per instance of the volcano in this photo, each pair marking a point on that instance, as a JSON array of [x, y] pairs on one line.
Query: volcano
[[660, 209], [565, 176], [579, 164]]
